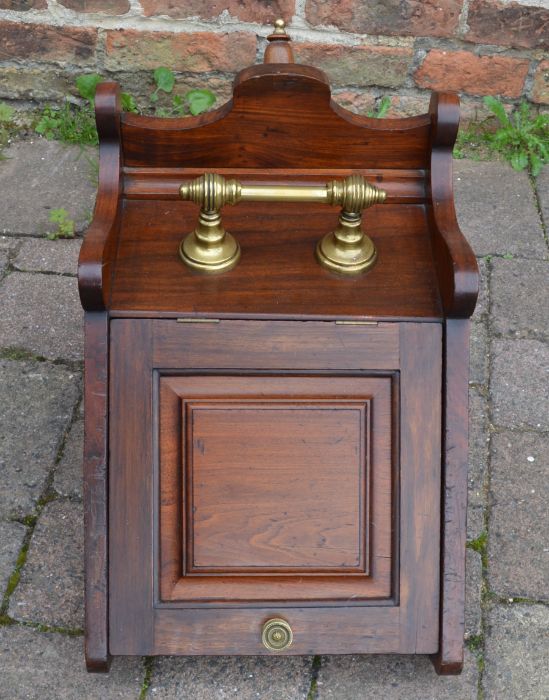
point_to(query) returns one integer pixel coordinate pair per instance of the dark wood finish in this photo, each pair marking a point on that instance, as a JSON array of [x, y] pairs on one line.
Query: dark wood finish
[[455, 261], [95, 491], [419, 517], [413, 606], [316, 435], [278, 275], [449, 659], [279, 49], [185, 550], [281, 116], [130, 518], [95, 265], [276, 345]]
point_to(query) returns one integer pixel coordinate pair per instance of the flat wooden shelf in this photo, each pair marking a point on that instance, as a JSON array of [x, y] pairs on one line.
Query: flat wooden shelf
[[278, 275]]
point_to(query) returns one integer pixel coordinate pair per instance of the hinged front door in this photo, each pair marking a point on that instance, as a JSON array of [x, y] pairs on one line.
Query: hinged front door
[[286, 470]]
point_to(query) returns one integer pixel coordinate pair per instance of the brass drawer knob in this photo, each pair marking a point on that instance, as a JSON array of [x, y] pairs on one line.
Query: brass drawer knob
[[277, 634]]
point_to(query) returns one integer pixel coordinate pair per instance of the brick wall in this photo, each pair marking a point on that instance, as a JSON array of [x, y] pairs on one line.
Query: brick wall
[[400, 48]]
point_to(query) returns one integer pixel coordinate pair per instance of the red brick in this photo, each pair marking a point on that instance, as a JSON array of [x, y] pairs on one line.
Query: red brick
[[112, 7], [193, 53], [540, 89], [357, 65], [508, 24], [46, 43], [245, 10], [23, 5], [477, 75], [355, 100], [400, 17]]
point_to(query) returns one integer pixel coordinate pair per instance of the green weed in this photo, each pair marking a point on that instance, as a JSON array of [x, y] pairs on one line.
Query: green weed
[[381, 109], [75, 123], [522, 138], [6, 126], [65, 225], [193, 102]]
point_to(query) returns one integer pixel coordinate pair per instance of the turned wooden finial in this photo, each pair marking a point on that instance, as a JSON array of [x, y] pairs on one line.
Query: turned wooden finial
[[279, 48]]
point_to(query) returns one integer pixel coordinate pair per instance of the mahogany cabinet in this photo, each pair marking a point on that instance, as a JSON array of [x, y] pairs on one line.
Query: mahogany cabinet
[[276, 454]]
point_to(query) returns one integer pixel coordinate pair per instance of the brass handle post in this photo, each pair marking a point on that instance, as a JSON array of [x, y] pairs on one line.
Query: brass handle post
[[346, 250]]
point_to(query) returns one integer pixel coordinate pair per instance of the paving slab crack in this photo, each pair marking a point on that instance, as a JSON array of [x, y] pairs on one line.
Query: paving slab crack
[[30, 521], [315, 670]]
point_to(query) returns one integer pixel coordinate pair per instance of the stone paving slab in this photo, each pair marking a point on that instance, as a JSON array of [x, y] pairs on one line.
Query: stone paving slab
[[9, 244], [518, 545], [478, 447], [32, 425], [516, 665], [473, 592], [475, 522], [483, 301], [11, 540], [4, 261], [41, 175], [397, 677], [42, 255], [497, 211], [519, 384], [478, 355], [542, 187], [46, 666], [42, 314], [51, 586], [242, 678], [520, 292], [67, 480]]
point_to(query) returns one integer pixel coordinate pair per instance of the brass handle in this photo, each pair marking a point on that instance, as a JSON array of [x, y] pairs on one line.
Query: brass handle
[[277, 634], [347, 249]]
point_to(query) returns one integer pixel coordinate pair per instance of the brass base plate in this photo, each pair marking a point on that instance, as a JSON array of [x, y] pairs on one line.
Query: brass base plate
[[344, 259], [211, 259]]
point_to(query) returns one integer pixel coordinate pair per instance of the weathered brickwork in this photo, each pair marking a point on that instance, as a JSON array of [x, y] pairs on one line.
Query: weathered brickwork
[[478, 75], [399, 48]]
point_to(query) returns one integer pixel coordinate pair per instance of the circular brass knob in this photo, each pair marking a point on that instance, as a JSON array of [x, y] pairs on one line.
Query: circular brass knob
[[277, 634]]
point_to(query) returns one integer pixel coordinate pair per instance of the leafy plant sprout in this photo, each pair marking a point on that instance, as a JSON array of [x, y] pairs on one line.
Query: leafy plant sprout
[[522, 139], [65, 225], [74, 123]]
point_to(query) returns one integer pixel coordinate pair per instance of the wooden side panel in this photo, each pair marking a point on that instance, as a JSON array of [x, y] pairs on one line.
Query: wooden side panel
[[421, 373], [455, 261], [96, 441], [97, 254], [449, 659], [131, 485]]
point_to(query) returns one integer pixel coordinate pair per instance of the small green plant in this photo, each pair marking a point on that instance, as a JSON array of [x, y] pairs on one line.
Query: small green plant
[[193, 102], [6, 126], [65, 225], [75, 123], [522, 139], [381, 109]]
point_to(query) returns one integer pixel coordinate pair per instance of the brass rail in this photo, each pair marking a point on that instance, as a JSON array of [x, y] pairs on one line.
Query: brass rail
[[347, 250]]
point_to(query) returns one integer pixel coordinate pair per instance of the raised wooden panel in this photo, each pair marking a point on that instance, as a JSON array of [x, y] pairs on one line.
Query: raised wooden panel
[[261, 480], [248, 471]]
